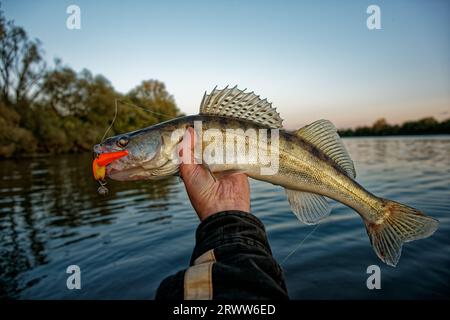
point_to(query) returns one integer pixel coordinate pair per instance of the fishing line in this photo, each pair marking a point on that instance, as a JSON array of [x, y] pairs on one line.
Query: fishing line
[[298, 247], [144, 108], [116, 108], [114, 120]]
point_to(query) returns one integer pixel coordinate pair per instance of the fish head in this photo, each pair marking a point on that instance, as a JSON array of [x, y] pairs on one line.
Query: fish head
[[143, 156]]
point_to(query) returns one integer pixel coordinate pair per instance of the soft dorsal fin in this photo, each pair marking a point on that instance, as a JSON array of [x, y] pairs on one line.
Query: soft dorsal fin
[[323, 134], [236, 103]]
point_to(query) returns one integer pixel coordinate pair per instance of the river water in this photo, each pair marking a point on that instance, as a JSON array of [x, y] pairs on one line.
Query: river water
[[126, 244]]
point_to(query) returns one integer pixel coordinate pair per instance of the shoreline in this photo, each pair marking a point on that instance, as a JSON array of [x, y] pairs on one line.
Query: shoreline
[[409, 136]]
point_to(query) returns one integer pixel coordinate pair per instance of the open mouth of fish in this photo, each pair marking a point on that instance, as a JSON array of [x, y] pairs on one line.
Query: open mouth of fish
[[101, 166]]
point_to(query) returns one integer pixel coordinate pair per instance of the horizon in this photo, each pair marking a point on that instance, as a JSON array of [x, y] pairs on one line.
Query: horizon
[[311, 61]]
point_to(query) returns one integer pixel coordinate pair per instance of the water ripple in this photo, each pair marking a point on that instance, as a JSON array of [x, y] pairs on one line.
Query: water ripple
[[125, 244]]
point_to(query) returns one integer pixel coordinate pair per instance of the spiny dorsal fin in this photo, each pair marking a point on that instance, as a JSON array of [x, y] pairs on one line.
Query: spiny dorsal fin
[[323, 134], [309, 208], [232, 102]]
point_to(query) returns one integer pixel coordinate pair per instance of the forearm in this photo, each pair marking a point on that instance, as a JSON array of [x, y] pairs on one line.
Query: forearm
[[231, 260]]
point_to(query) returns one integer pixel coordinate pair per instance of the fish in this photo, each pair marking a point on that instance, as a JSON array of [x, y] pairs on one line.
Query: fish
[[313, 165]]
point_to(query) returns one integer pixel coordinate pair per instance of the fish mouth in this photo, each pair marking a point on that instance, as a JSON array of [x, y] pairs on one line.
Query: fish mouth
[[103, 160]]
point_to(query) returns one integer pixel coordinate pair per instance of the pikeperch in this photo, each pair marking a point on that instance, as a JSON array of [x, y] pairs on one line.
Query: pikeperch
[[311, 164]]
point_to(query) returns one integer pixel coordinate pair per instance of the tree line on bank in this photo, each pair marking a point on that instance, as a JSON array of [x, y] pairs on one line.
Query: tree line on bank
[[381, 127]]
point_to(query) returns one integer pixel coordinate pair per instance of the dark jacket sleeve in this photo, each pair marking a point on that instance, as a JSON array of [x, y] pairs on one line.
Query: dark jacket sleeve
[[233, 251]]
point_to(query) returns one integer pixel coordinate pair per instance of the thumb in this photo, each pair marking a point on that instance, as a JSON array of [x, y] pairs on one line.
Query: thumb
[[189, 170], [186, 148]]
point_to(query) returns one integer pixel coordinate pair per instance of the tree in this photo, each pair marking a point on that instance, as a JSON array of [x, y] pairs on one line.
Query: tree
[[71, 93], [72, 102], [152, 95], [380, 124], [14, 139], [21, 64]]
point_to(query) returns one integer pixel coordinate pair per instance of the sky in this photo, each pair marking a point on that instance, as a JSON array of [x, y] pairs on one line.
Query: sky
[[312, 59]]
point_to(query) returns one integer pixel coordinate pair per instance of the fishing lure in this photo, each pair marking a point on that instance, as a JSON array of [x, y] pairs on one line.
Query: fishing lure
[[99, 168]]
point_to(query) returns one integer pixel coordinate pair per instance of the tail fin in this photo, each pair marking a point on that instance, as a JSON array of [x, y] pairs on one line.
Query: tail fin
[[400, 224]]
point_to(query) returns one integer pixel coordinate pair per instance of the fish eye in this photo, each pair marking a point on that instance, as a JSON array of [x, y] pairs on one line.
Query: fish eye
[[122, 142]]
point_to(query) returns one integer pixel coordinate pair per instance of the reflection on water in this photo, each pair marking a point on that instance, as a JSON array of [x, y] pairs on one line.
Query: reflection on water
[[125, 244]]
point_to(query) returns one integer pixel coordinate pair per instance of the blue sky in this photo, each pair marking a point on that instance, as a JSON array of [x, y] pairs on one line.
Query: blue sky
[[312, 59]]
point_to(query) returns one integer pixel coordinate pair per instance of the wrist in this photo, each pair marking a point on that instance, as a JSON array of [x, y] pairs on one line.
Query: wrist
[[222, 205]]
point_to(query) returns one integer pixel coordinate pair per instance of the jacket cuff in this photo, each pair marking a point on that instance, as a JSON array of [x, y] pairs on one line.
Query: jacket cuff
[[230, 227]]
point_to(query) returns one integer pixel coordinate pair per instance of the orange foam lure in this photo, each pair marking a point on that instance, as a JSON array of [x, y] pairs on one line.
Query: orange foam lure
[[99, 164]]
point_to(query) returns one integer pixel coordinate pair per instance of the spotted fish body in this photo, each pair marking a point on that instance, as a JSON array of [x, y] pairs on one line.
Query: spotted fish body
[[313, 165]]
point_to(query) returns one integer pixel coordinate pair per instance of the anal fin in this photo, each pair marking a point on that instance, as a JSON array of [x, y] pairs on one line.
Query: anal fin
[[309, 208]]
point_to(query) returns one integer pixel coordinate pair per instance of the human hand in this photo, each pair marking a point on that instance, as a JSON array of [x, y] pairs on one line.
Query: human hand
[[207, 194]]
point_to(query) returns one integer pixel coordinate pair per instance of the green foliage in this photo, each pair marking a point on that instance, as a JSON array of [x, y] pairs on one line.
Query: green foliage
[[14, 140]]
